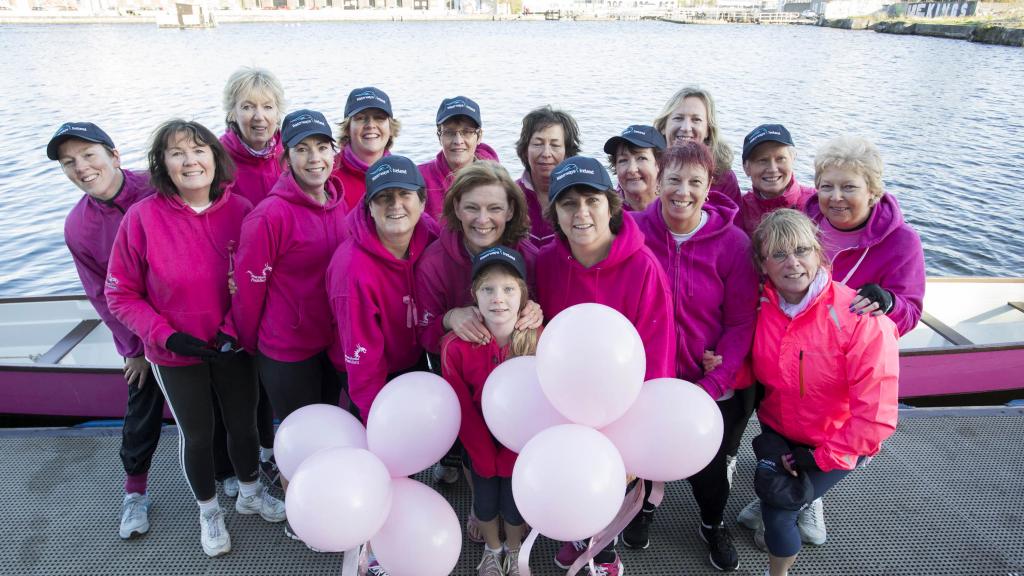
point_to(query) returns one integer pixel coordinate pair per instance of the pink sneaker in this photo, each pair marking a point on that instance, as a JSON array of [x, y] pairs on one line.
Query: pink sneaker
[[613, 568], [569, 552]]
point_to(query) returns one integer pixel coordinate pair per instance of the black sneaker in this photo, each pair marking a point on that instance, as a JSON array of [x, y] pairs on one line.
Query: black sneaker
[[722, 553], [269, 472], [637, 533]]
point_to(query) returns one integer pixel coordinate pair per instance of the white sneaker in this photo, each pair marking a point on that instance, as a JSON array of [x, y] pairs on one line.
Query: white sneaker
[[491, 564], [134, 515], [214, 534], [230, 486], [811, 523], [750, 516], [511, 562], [730, 468], [269, 508]]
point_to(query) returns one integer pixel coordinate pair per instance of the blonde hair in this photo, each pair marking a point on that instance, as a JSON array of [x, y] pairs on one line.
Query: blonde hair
[[720, 150], [785, 229], [524, 342], [344, 125], [247, 81], [852, 153]]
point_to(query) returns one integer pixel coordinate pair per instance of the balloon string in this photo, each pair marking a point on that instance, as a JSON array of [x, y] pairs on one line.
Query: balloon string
[[524, 553]]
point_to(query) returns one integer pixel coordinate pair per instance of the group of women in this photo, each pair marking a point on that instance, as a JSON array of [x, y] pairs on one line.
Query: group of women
[[317, 266]]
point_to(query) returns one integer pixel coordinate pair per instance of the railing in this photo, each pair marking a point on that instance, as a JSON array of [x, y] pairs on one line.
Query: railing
[[748, 15]]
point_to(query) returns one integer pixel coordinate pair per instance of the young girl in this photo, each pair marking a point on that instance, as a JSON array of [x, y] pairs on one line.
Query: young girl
[[500, 294]]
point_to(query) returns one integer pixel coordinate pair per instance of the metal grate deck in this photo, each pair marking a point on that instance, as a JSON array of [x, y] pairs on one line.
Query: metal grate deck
[[945, 497]]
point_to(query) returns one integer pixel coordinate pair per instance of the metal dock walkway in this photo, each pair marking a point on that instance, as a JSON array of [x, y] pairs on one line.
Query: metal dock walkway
[[945, 497]]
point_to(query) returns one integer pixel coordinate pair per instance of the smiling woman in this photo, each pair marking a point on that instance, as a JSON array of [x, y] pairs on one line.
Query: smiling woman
[[254, 104], [366, 135]]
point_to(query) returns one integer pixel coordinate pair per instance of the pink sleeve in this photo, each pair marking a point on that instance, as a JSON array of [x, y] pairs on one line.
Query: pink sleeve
[[430, 292], [254, 264], [362, 340]]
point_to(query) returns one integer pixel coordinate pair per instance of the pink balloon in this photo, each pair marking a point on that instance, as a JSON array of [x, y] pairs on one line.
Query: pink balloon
[[413, 422], [569, 482], [514, 406], [422, 535], [591, 364], [313, 428], [339, 498], [671, 432]]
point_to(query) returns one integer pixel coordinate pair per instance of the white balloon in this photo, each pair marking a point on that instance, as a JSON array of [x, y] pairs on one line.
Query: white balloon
[[514, 406]]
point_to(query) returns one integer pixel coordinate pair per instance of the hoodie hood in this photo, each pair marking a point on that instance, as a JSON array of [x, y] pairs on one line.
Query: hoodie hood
[[753, 207], [885, 218], [254, 175], [241, 154], [364, 232]]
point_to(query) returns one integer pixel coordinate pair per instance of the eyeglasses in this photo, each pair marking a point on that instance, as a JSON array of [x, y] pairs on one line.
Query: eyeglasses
[[466, 133], [801, 253]]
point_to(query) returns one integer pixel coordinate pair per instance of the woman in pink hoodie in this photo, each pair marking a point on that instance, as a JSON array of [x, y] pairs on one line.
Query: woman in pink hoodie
[[831, 380], [600, 257], [460, 131], [714, 288], [167, 282], [366, 135], [254, 104], [690, 115], [281, 309], [769, 156], [634, 157]]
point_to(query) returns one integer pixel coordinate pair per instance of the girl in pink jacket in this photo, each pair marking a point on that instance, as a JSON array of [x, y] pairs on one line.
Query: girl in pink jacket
[[500, 294], [830, 377], [167, 281]]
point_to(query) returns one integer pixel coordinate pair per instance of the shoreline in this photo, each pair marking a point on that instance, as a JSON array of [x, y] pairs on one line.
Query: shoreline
[[994, 34]]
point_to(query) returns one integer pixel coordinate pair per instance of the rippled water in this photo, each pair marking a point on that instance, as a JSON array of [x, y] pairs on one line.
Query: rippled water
[[947, 115]]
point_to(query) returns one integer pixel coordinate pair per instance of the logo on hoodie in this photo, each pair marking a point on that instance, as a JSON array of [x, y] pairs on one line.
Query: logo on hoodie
[[354, 358], [569, 170], [111, 282], [262, 276]]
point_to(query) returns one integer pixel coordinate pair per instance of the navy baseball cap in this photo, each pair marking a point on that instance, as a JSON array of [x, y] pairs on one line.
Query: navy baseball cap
[[392, 172], [578, 171], [638, 135], [362, 98], [500, 255], [302, 124], [82, 130], [458, 106], [765, 133]]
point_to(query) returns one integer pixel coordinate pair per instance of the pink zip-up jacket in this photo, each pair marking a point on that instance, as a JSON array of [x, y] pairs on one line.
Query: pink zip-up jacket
[[352, 172], [629, 280], [466, 367], [439, 176], [541, 233], [889, 255], [281, 306], [89, 232], [254, 176], [728, 185], [373, 300], [753, 207], [444, 277], [830, 377], [714, 288], [169, 271]]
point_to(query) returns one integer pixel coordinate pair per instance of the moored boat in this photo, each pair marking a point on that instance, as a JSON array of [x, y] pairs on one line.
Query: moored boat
[[58, 359]]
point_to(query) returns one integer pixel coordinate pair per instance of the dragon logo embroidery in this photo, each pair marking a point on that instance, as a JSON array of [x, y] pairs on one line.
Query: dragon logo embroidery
[[354, 358], [261, 277]]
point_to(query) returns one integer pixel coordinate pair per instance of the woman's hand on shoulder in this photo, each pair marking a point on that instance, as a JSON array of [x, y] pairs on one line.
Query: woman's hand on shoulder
[[872, 299], [531, 317], [467, 324]]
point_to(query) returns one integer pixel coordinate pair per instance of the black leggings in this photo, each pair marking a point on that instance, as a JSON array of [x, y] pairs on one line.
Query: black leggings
[[143, 418], [191, 392], [731, 437], [493, 496], [292, 385]]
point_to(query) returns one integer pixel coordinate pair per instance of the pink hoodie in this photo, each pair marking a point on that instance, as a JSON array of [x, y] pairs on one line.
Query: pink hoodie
[[715, 289], [373, 298], [727, 184], [281, 306], [438, 176], [629, 280], [889, 255], [169, 271], [254, 176], [541, 233], [89, 232], [444, 278], [466, 367], [352, 172], [753, 207]]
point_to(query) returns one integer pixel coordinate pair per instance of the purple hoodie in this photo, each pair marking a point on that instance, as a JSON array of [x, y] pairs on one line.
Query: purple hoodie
[[374, 305], [254, 176], [444, 278], [629, 280], [727, 184], [889, 255], [89, 232], [753, 207], [715, 290], [169, 271], [541, 233], [281, 306], [438, 176]]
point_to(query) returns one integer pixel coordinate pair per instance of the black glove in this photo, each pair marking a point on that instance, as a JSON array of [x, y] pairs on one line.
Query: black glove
[[226, 343], [804, 459], [878, 295], [188, 345]]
